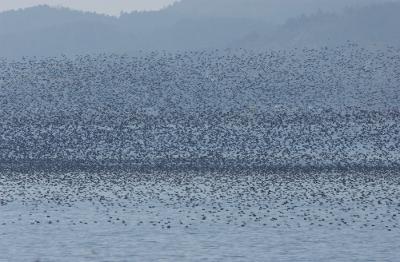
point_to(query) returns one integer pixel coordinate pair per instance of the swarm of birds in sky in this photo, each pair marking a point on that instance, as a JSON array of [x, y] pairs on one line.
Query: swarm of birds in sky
[[311, 108]]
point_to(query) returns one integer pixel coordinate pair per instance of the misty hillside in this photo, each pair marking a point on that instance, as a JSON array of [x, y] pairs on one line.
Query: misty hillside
[[199, 24], [374, 25], [272, 11]]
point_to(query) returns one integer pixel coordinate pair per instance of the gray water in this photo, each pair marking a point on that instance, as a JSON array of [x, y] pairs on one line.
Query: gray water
[[199, 217]]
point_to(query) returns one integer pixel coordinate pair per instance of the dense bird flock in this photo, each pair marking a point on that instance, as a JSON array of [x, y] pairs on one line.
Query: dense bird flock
[[102, 156], [309, 108], [360, 199]]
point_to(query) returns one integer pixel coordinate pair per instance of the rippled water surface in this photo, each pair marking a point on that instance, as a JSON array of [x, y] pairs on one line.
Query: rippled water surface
[[199, 217]]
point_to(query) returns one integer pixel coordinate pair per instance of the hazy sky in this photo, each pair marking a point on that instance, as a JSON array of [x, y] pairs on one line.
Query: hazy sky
[[113, 7]]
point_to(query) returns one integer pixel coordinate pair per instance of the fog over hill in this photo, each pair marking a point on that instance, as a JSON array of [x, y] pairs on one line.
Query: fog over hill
[[200, 24], [373, 25], [272, 11]]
